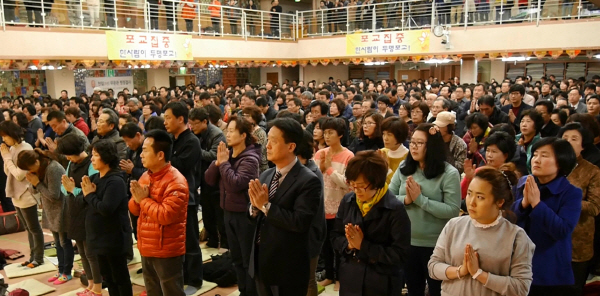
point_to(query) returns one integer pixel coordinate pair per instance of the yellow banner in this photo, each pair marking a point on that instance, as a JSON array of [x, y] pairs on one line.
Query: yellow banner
[[408, 42], [148, 46]]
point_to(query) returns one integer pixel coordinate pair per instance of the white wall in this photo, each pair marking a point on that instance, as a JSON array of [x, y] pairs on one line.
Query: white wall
[[498, 70], [322, 73], [158, 78], [265, 70], [60, 79]]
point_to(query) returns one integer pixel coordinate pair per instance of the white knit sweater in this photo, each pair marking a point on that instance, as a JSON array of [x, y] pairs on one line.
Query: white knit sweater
[[16, 183]]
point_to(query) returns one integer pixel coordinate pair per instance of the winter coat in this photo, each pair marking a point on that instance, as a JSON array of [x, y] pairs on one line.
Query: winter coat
[[163, 215]]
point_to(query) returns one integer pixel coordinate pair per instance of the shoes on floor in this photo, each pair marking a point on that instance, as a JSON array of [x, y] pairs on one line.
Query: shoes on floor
[[54, 278], [33, 264], [63, 279]]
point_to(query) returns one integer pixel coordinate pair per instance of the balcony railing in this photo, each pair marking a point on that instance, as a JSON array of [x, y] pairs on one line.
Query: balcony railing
[[229, 21]]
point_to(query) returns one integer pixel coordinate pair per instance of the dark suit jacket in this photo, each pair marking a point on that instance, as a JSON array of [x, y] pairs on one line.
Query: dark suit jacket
[[550, 130], [517, 123], [282, 258]]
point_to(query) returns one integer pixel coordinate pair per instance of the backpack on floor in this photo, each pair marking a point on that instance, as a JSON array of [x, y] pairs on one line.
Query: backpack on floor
[[10, 223], [220, 270]]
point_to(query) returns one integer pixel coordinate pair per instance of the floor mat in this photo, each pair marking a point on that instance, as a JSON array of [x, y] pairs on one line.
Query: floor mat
[[138, 279], [137, 258], [206, 253], [73, 293], [329, 291], [236, 293], [32, 286], [16, 270]]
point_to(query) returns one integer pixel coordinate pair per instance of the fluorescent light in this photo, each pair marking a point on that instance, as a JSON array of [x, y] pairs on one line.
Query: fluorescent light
[[33, 68], [59, 68], [182, 68], [375, 64], [516, 59], [597, 56], [436, 61]]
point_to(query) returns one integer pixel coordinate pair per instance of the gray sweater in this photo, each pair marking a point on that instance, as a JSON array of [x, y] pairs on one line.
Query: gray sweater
[[505, 252], [51, 197]]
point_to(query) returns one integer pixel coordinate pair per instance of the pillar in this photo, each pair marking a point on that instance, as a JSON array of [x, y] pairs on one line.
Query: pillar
[[58, 80], [468, 70], [158, 77], [498, 70]]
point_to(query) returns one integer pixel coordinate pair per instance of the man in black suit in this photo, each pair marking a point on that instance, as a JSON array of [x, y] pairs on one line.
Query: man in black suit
[[284, 202], [544, 108], [516, 107]]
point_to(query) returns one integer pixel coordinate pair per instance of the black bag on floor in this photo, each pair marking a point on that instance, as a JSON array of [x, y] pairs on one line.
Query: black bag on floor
[[220, 270], [10, 223]]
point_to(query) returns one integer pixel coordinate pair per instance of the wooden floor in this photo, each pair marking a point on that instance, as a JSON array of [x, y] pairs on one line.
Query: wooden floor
[[18, 241]]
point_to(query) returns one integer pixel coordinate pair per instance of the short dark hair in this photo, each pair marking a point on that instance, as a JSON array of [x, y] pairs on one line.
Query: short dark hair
[[504, 142], [129, 130], [385, 100], [538, 121], [214, 113], [30, 108], [340, 104], [12, 130], [243, 126], [588, 121], [323, 105], [396, 126], [549, 106], [21, 119], [58, 104], [501, 183], [58, 115], [204, 96], [254, 112], [517, 87], [336, 124], [486, 100], [262, 101], [162, 142], [477, 118], [435, 158], [107, 150], [250, 95], [178, 109], [370, 165], [586, 136], [421, 106], [71, 144], [306, 148], [378, 118], [292, 130], [199, 114], [73, 111], [563, 153], [155, 122]]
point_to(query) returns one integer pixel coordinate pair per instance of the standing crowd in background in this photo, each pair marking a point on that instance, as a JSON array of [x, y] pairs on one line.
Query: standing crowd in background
[[373, 187]]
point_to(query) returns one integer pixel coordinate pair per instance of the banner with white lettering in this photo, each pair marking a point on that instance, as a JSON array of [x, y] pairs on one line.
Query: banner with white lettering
[[104, 83]]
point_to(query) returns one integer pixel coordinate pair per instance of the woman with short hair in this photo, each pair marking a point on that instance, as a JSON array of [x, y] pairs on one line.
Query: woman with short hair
[[371, 231]]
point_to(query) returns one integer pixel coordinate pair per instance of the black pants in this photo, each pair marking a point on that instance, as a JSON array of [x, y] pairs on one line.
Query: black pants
[[417, 273], [550, 291], [89, 262], [212, 216], [288, 290], [580, 271], [240, 233], [109, 10], [192, 262], [189, 25], [170, 13], [153, 14], [116, 274], [331, 258], [233, 26], [217, 28], [64, 252], [163, 276]]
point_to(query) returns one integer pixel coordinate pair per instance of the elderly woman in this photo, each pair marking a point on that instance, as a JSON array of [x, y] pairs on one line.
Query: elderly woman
[[483, 253], [587, 177], [548, 207], [371, 231], [254, 116], [456, 149], [478, 129]]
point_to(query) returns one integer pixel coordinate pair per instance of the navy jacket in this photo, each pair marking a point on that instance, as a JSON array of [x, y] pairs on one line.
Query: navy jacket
[[185, 157], [318, 228], [549, 226], [517, 124]]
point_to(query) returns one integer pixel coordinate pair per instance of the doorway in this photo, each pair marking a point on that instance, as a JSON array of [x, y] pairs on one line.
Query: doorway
[[273, 77]]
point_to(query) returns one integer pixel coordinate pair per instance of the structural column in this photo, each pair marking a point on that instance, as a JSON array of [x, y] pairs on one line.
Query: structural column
[[468, 70], [158, 77], [498, 70], [59, 80]]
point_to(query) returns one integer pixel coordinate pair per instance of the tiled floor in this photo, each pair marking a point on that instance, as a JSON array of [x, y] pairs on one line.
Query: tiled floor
[[18, 241]]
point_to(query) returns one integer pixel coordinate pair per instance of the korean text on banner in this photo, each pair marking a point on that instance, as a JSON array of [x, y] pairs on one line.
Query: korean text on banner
[[396, 43], [148, 46], [104, 83]]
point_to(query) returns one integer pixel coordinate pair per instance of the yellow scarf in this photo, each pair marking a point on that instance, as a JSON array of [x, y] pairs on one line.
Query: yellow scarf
[[365, 207]]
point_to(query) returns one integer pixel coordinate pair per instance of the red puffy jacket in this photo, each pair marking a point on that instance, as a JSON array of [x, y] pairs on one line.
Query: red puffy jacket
[[161, 226]]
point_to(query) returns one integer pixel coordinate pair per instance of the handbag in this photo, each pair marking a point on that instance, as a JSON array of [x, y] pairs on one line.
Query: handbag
[[10, 223]]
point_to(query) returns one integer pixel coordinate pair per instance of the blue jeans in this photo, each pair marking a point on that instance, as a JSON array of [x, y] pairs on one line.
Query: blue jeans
[[64, 252]]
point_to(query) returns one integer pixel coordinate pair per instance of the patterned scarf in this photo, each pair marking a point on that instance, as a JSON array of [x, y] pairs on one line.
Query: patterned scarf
[[365, 207]]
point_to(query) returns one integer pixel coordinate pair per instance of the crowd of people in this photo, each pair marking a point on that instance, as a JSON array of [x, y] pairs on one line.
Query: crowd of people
[[370, 186]]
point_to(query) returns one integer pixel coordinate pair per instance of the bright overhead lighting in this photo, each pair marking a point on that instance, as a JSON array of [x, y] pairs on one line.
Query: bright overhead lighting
[[375, 64], [33, 68], [516, 59], [597, 56], [436, 61]]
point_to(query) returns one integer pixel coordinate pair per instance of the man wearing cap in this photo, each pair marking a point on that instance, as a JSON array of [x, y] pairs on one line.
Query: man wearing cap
[[456, 148]]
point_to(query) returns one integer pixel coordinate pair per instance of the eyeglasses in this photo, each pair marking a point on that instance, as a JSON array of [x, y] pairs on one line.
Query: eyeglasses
[[358, 189], [417, 144], [368, 123]]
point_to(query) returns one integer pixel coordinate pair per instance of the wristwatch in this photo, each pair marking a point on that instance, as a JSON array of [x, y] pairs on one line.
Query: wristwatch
[[266, 208], [478, 273]]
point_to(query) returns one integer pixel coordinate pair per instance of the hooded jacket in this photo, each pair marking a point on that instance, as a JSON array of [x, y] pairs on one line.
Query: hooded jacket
[[234, 176]]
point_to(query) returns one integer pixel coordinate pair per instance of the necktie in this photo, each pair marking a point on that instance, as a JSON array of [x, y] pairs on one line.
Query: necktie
[[274, 185], [272, 189]]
